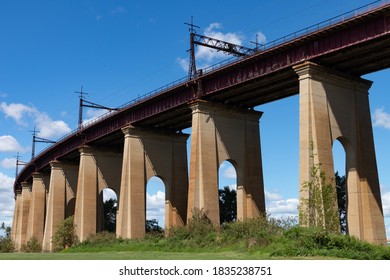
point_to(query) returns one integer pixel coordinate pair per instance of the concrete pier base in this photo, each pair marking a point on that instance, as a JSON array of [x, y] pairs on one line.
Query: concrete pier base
[[60, 199], [222, 133], [147, 154], [335, 106]]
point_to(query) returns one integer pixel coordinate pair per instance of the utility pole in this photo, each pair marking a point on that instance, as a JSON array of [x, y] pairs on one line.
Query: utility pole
[[18, 162], [219, 45], [37, 139], [86, 103], [257, 44], [81, 96], [192, 66]]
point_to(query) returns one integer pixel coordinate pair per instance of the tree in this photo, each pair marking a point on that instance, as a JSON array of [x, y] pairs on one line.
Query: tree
[[109, 210], [151, 226], [227, 205], [64, 236], [318, 209], [341, 188], [7, 230], [7, 245]]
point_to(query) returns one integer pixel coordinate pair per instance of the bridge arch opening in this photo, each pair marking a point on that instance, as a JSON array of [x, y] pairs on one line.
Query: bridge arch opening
[[155, 205], [227, 192], [70, 206], [107, 210], [341, 174]]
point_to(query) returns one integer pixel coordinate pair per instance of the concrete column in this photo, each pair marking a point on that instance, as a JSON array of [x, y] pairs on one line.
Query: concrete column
[[15, 220], [334, 106], [60, 192], [147, 154], [22, 222], [221, 133], [97, 170], [87, 193], [36, 220]]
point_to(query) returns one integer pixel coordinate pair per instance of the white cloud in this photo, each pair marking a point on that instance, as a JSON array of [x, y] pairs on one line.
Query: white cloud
[[9, 144], [278, 207], [272, 196], [381, 118], [47, 127], [92, 114], [206, 56], [230, 173], [16, 111], [183, 63], [7, 201], [8, 163], [156, 207], [386, 204], [283, 208], [261, 39]]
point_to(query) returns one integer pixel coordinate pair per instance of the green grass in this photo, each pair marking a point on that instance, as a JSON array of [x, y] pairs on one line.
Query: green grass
[[138, 255], [258, 239]]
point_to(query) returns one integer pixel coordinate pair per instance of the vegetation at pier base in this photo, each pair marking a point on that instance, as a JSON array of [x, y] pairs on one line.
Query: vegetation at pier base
[[6, 243], [64, 236], [262, 238]]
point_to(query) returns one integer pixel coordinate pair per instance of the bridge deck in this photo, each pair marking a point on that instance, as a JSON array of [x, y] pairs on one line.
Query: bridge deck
[[357, 46]]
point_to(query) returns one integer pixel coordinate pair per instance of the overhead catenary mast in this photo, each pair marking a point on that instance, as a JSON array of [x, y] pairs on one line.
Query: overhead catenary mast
[[201, 40], [85, 103], [37, 139]]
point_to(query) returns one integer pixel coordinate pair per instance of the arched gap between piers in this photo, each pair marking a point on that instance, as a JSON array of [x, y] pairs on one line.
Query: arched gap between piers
[[155, 205], [227, 192], [340, 172], [107, 210]]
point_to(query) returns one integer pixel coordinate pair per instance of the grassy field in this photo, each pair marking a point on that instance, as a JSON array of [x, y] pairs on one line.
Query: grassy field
[[259, 239], [141, 255]]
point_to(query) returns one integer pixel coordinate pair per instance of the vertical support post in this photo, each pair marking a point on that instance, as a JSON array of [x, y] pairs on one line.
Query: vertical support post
[[149, 153], [131, 213], [15, 220], [333, 106], [56, 201], [87, 194], [21, 234], [36, 220], [221, 133]]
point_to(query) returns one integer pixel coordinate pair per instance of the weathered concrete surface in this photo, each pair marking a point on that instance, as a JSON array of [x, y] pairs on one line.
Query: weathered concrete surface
[[60, 199], [98, 169], [222, 133], [335, 106], [23, 213], [36, 219], [147, 154]]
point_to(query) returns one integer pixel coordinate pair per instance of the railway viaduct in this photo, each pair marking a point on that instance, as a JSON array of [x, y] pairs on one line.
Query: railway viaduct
[[123, 149]]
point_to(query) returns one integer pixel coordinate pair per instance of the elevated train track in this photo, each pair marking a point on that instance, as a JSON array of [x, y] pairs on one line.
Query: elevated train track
[[357, 45]]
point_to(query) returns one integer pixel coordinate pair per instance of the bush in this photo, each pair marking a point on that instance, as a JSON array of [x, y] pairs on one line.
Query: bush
[[7, 245], [65, 235], [260, 231], [32, 246], [198, 232], [100, 239]]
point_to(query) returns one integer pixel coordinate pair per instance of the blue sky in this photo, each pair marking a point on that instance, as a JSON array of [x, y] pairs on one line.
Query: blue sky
[[118, 50]]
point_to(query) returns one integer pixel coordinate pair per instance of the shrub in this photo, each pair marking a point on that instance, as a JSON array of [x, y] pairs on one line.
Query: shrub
[[103, 238], [260, 231], [65, 235], [7, 245], [32, 246], [198, 232]]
